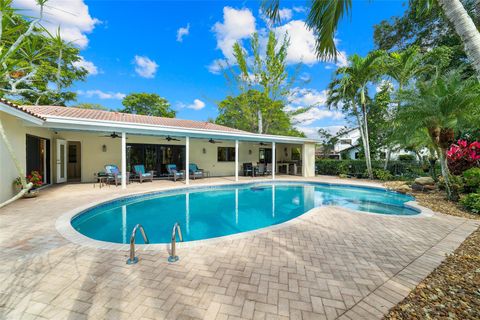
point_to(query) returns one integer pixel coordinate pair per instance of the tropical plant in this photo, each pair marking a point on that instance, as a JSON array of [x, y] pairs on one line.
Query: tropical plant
[[35, 178], [148, 104], [36, 66], [324, 16], [463, 156], [446, 103], [349, 91]]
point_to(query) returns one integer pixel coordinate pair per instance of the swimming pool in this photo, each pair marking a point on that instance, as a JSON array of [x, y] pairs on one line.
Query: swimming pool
[[210, 212]]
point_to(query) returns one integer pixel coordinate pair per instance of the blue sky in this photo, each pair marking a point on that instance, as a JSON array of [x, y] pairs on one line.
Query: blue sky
[[168, 47]]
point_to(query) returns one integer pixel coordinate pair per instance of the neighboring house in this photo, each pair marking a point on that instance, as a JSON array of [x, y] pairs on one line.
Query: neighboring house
[[68, 144], [348, 146]]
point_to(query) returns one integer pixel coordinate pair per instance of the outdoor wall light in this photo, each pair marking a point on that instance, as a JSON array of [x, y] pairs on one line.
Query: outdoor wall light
[[286, 152], [204, 151], [104, 148], [249, 151]]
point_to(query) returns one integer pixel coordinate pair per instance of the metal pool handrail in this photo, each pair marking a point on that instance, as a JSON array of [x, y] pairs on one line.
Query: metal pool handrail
[[173, 257], [133, 259]]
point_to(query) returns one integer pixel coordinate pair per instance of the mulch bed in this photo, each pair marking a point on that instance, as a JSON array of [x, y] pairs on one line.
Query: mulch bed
[[452, 290]]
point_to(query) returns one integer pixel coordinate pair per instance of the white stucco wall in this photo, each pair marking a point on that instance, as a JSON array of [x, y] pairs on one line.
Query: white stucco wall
[[93, 158]]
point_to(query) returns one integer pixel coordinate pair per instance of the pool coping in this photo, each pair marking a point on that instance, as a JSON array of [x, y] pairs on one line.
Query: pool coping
[[65, 228]]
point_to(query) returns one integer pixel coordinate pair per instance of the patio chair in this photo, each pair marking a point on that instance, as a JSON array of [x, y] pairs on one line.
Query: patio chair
[[174, 173], [195, 171], [113, 174], [261, 169], [268, 170], [248, 169], [139, 170]]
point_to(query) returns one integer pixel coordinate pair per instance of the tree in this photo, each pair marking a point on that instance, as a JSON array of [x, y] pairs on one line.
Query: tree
[[446, 104], [329, 140], [266, 74], [91, 106], [241, 112], [35, 66], [149, 104], [324, 16], [349, 91]]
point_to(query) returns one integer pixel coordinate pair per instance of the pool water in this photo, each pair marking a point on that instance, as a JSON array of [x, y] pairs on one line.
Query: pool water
[[219, 211]]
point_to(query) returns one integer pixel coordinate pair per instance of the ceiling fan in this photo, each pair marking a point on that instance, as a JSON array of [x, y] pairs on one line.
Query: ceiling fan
[[168, 138], [213, 141], [113, 135]]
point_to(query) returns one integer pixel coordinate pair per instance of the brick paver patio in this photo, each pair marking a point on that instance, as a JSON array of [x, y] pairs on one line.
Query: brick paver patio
[[329, 264]]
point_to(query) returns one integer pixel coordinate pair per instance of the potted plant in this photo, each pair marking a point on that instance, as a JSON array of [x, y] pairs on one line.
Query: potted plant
[[35, 178]]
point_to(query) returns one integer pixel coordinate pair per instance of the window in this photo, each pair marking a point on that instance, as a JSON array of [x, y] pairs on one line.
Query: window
[[346, 141], [225, 154]]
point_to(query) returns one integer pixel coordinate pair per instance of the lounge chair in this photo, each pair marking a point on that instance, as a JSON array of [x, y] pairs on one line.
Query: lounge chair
[[195, 172], [248, 169], [114, 174], [261, 170], [139, 170], [268, 170], [174, 173]]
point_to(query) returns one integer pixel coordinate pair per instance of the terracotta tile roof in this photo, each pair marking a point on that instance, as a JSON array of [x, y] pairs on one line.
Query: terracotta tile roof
[[15, 106], [88, 114]]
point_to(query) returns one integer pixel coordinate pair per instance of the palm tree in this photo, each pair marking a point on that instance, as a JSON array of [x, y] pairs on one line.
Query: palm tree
[[324, 16], [441, 106], [349, 90]]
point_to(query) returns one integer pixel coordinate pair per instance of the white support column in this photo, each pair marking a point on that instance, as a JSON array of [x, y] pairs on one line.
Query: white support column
[[124, 160], [274, 161], [187, 160], [236, 160]]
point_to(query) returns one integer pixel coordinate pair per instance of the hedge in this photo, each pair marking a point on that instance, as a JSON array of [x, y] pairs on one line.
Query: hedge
[[358, 168]]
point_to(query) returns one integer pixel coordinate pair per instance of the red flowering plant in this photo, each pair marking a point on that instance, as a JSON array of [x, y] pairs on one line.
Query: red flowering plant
[[34, 177], [463, 156]]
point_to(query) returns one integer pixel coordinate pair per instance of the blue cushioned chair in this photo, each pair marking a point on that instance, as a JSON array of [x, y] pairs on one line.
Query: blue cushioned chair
[[174, 173], [139, 170], [195, 172], [115, 175]]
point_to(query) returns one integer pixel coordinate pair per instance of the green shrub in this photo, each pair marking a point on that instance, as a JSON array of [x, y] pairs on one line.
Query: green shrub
[[455, 181], [471, 202], [383, 175], [472, 179]]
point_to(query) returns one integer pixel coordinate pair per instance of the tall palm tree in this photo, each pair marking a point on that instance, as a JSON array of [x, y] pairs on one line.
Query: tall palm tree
[[324, 16], [349, 90], [441, 106]]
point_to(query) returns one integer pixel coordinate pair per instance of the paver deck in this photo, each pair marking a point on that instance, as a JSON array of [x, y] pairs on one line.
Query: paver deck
[[330, 264]]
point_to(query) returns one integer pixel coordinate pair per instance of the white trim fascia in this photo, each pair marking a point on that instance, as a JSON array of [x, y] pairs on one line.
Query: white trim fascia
[[20, 114], [102, 125]]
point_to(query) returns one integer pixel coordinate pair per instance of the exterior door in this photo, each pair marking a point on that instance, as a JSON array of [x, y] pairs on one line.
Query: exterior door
[[61, 161]]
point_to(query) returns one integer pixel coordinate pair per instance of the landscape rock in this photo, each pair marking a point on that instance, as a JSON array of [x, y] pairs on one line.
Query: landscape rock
[[425, 181]]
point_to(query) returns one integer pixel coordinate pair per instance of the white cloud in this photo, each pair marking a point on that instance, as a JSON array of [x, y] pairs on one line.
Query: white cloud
[[315, 114], [302, 42], [237, 25], [196, 105], [299, 9], [101, 94], [217, 66], [87, 65], [342, 59], [145, 67], [312, 132], [313, 99], [72, 16], [182, 32], [285, 14]]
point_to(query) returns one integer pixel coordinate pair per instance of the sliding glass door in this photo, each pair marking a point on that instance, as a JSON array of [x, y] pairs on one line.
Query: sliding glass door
[[155, 157], [38, 157]]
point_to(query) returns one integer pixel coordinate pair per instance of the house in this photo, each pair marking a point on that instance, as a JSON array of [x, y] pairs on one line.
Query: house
[[67, 144], [348, 145]]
